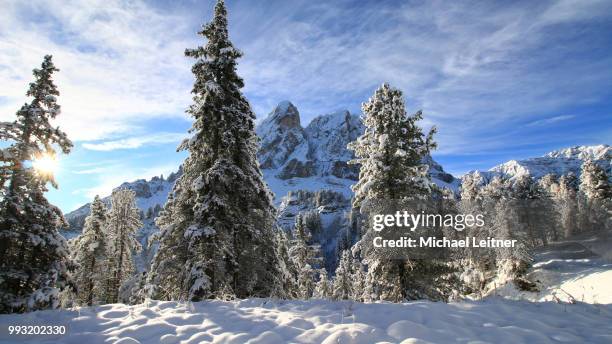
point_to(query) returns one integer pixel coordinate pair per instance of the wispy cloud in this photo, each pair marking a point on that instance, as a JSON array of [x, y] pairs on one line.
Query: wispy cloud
[[550, 120], [135, 142], [120, 62]]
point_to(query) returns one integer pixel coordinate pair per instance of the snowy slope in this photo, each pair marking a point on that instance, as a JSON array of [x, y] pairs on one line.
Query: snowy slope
[[266, 321], [579, 268], [559, 162]]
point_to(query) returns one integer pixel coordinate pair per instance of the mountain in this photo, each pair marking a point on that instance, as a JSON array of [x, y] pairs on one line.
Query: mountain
[[558, 162]]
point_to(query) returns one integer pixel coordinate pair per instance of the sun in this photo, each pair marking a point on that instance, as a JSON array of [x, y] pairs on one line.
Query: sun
[[45, 164]]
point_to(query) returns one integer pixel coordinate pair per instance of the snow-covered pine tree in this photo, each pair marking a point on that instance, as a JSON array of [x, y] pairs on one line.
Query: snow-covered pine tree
[[304, 257], [167, 276], [285, 284], [33, 255], [359, 280], [390, 153], [535, 209], [549, 184], [342, 288], [121, 226], [391, 150], [470, 186], [89, 254], [323, 288], [594, 183], [595, 197], [567, 204], [222, 218]]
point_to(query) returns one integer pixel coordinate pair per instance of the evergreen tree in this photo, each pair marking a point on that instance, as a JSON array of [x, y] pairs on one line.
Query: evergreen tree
[[221, 220], [343, 280], [304, 257], [470, 186], [323, 289], [594, 183], [90, 255], [595, 197], [359, 280], [285, 285], [391, 150], [568, 203], [33, 255], [121, 226], [391, 153]]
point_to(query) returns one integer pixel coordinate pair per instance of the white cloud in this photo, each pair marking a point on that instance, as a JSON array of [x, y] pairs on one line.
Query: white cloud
[[551, 120], [136, 142], [120, 62]]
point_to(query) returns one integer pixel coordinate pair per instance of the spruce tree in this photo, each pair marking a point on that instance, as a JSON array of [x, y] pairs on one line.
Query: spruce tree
[[90, 255], [567, 200], [323, 289], [391, 150], [121, 226], [594, 183], [33, 255], [285, 283], [221, 220], [304, 257], [391, 153], [343, 280], [595, 197]]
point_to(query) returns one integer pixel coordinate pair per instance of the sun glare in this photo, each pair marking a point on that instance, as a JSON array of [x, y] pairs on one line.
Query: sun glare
[[45, 164]]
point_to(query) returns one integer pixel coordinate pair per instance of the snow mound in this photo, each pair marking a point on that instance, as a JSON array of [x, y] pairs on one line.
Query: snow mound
[[266, 321]]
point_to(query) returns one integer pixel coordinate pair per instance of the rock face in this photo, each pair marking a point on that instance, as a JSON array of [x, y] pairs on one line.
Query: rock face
[[290, 151]]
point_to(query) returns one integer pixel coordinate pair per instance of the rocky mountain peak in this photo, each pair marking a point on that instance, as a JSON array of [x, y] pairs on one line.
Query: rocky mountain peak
[[285, 116]]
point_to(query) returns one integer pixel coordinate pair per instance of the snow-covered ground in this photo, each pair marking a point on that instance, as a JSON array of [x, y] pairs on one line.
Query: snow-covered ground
[[266, 321], [579, 269]]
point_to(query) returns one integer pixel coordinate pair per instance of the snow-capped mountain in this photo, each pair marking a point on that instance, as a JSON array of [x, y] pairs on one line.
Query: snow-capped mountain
[[316, 157], [557, 162]]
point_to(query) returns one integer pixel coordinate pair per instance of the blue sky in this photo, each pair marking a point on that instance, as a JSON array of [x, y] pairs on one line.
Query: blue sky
[[501, 80]]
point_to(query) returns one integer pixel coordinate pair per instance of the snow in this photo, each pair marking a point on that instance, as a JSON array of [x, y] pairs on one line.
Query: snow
[[268, 321], [579, 268], [559, 162]]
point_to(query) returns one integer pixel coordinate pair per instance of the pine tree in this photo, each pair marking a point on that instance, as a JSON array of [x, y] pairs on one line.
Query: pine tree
[[304, 257], [568, 204], [285, 283], [470, 186], [323, 288], [90, 255], [343, 280], [121, 226], [391, 153], [359, 280], [221, 222], [391, 150], [33, 255], [594, 183], [595, 197]]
